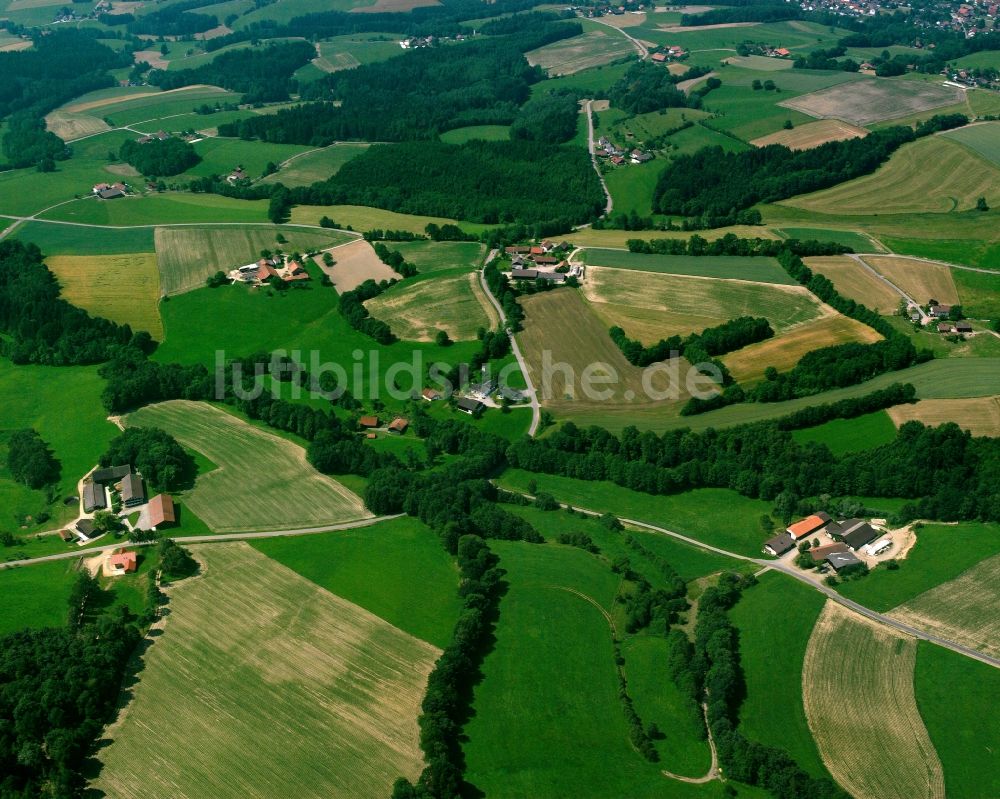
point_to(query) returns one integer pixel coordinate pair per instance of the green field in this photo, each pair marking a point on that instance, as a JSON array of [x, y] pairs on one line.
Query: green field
[[983, 139], [160, 209], [850, 435], [942, 553], [950, 689], [595, 80], [632, 186], [221, 156], [361, 218], [36, 596], [249, 638], [595, 47], [848, 238], [762, 270], [146, 111], [484, 132], [64, 405], [263, 482], [431, 256], [775, 620], [980, 293], [416, 588], [715, 516], [188, 255], [71, 240], [313, 166], [347, 52]]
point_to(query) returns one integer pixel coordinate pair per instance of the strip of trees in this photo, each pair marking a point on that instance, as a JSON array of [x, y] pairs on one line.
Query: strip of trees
[[696, 347]]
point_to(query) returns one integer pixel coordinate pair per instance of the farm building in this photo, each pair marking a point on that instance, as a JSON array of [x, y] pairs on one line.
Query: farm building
[[808, 526], [94, 497], [963, 327], [110, 474], [430, 394], [469, 405], [368, 421], [133, 492], [855, 533], [524, 274], [819, 554], [67, 535], [779, 545], [398, 425], [123, 562], [161, 511], [84, 529], [842, 560], [878, 547], [939, 311]]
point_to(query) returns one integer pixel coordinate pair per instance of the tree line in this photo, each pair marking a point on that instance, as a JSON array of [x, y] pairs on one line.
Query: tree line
[[765, 12], [696, 347], [712, 181], [352, 307]]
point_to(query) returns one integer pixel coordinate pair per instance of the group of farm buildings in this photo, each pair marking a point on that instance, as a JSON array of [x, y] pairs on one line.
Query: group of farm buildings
[[846, 538]]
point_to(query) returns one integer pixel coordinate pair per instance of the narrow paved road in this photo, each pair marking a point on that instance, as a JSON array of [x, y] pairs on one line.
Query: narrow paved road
[[205, 539], [536, 410], [926, 261], [609, 204], [912, 303], [830, 593], [639, 46]]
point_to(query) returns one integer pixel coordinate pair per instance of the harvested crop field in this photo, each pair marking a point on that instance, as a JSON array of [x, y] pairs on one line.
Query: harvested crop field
[[812, 134], [356, 262], [759, 63], [979, 415], [731, 267], [931, 175], [262, 482], [984, 138], [786, 349], [857, 685], [718, 26], [393, 6], [189, 255], [965, 610], [263, 684], [69, 127], [650, 306], [122, 288], [418, 310], [855, 282], [862, 102], [592, 49], [919, 279]]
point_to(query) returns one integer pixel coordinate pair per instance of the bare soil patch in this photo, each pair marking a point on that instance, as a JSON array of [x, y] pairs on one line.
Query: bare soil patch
[[356, 263], [152, 57], [979, 415], [812, 134]]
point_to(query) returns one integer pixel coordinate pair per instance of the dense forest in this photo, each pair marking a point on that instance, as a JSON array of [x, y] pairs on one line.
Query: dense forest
[[712, 181], [261, 74], [696, 347], [550, 118], [480, 181], [159, 157], [763, 12], [175, 20], [647, 87], [43, 328]]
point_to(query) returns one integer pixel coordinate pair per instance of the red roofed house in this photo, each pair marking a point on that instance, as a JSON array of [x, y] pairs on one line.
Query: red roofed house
[[808, 526], [161, 511], [659, 58], [122, 562], [783, 52], [368, 421], [398, 425], [295, 271], [265, 271], [430, 394]]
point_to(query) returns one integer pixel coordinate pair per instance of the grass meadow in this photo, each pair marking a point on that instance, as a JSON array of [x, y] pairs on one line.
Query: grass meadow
[[942, 553], [849, 238], [855, 673], [341, 689], [70, 240], [731, 267], [842, 436], [983, 139], [432, 256], [950, 690], [471, 132], [397, 570], [592, 48], [347, 52], [632, 187], [775, 619], [313, 166], [979, 292], [221, 156], [172, 207], [263, 481], [855, 282], [36, 596], [122, 288], [361, 218]]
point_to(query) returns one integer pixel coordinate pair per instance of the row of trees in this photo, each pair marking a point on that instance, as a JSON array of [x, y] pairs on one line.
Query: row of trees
[[41, 327], [352, 308], [696, 347], [731, 244]]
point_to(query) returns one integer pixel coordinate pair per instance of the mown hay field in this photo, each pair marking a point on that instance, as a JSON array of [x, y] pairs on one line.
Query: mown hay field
[[189, 255], [312, 167], [979, 415], [730, 267], [857, 685], [983, 138], [263, 684], [69, 126], [355, 263], [592, 49], [921, 280], [650, 306], [965, 610], [759, 63], [855, 282], [362, 217], [347, 52], [432, 256], [862, 102], [787, 348], [812, 134], [122, 288], [931, 175], [588, 237], [262, 481], [416, 311]]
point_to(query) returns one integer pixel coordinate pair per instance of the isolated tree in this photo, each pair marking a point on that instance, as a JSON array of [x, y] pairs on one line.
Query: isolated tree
[[981, 204], [30, 460], [441, 339], [175, 561]]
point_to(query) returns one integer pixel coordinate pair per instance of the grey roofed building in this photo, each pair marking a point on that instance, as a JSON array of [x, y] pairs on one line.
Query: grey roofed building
[[111, 474], [132, 491], [85, 527], [863, 534], [552, 277], [93, 497], [779, 545], [821, 553], [110, 194], [841, 560], [469, 405], [524, 274]]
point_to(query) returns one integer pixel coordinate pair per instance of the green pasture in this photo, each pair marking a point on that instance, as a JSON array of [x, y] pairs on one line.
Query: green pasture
[[980, 293], [36, 596], [173, 207], [842, 436], [632, 186], [942, 552], [221, 156], [983, 139], [847, 238], [982, 254], [145, 111], [433, 256], [593, 81], [71, 240], [484, 132], [748, 114], [313, 166], [732, 267], [362, 217], [397, 569], [689, 141], [347, 52]]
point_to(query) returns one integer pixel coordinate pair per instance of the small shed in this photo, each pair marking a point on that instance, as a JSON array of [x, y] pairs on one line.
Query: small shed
[[368, 422], [469, 405], [779, 545], [842, 560]]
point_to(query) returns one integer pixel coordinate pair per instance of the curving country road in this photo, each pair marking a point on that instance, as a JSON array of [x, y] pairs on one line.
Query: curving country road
[[206, 539], [639, 46], [610, 203], [536, 410]]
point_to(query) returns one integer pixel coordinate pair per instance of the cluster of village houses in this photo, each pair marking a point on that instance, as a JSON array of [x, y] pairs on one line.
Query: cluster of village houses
[[261, 272], [668, 53], [617, 156], [119, 487], [844, 539], [543, 261]]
